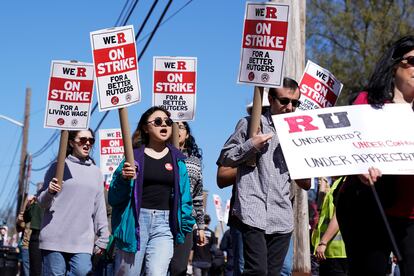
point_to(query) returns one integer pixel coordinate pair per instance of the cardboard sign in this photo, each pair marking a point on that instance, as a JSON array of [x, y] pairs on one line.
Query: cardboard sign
[[217, 206], [175, 85], [319, 88], [347, 140], [69, 96], [264, 43], [116, 67], [111, 148]]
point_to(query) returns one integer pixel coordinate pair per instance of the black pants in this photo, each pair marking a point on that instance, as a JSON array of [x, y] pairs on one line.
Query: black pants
[[264, 254], [366, 241], [179, 261], [333, 267], [35, 256], [403, 230]]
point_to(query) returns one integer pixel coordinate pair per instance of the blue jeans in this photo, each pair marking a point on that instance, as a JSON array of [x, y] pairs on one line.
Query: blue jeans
[[25, 269], [238, 261], [156, 246], [288, 263], [55, 263]]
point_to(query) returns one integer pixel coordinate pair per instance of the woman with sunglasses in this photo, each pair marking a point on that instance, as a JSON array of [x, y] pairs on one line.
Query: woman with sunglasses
[[367, 244], [190, 149], [151, 200], [74, 223]]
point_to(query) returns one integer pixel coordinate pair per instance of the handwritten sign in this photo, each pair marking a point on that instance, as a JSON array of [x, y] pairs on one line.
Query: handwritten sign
[[347, 140]]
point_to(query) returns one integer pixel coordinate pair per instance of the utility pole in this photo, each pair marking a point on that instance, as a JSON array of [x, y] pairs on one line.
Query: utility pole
[[23, 156], [293, 68]]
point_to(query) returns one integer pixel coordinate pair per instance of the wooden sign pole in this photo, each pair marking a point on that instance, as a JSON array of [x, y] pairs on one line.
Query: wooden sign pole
[[175, 136], [254, 124], [126, 135], [60, 168]]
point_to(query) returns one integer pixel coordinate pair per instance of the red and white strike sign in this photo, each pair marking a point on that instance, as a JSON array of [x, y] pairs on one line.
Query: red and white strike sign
[[217, 206], [264, 43], [174, 86], [319, 88], [111, 151], [69, 95], [116, 67]]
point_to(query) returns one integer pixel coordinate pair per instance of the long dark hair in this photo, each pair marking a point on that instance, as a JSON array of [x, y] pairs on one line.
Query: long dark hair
[[190, 145], [71, 137], [381, 84], [139, 137]]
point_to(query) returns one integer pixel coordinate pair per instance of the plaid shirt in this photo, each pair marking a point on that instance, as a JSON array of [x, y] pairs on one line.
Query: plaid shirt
[[262, 191]]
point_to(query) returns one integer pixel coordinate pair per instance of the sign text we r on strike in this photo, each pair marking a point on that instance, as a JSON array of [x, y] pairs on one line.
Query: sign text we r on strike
[[116, 59], [265, 34]]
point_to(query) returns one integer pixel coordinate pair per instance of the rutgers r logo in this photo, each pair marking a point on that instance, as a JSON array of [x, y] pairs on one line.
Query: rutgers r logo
[[305, 123]]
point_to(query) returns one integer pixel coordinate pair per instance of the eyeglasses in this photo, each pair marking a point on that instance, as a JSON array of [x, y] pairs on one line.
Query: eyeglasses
[[286, 101], [158, 122], [181, 127], [408, 60], [84, 140]]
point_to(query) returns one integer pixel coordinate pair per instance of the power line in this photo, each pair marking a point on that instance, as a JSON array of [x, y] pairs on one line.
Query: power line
[[55, 135], [168, 19], [14, 159], [145, 47]]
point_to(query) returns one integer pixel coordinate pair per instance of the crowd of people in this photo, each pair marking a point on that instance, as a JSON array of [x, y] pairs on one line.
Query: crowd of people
[[158, 224]]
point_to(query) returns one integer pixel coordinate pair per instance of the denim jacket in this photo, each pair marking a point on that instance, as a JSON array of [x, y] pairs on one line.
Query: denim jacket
[[125, 198]]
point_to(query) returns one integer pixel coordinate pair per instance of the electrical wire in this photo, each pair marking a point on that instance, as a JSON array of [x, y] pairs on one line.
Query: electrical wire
[[55, 135], [12, 162], [144, 49]]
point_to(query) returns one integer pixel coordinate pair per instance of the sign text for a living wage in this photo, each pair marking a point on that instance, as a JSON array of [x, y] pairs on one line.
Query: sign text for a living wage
[[69, 95], [347, 140], [116, 67], [174, 86], [319, 88], [111, 152], [264, 44]]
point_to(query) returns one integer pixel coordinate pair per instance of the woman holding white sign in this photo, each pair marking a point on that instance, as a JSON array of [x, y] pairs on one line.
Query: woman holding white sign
[[151, 201], [367, 243], [74, 214]]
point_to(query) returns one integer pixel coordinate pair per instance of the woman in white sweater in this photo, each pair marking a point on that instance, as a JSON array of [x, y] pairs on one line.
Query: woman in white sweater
[[74, 213]]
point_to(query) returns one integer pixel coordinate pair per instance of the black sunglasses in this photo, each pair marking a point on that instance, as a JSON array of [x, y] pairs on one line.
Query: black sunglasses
[[158, 122], [286, 101], [408, 60], [84, 140]]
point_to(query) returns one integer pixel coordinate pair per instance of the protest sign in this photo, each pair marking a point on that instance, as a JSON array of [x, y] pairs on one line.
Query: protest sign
[[340, 141], [69, 95], [116, 67], [227, 212], [217, 206], [174, 86], [319, 88], [263, 44], [111, 152]]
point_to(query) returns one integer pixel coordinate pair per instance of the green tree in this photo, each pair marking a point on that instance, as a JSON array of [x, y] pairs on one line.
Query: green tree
[[348, 37]]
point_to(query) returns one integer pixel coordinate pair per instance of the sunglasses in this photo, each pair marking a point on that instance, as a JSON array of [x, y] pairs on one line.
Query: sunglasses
[[84, 140], [286, 101], [158, 122], [408, 60], [181, 127]]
